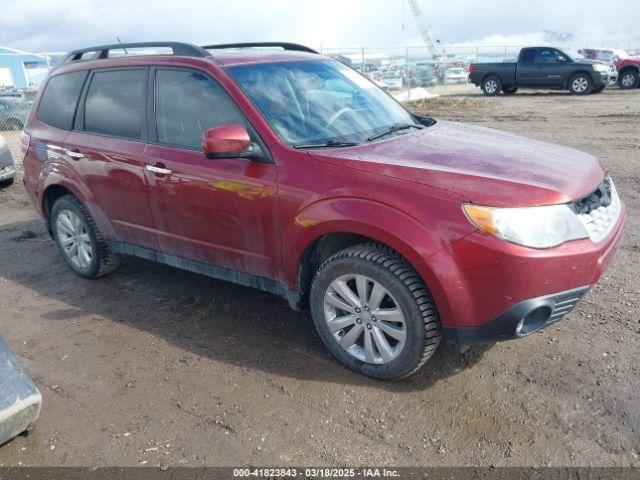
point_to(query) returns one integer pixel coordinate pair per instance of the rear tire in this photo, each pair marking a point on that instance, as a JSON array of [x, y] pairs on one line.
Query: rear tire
[[388, 326], [491, 86], [629, 79], [79, 240], [7, 183], [580, 84]]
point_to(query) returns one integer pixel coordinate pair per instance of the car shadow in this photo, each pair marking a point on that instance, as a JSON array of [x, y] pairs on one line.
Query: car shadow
[[205, 317]]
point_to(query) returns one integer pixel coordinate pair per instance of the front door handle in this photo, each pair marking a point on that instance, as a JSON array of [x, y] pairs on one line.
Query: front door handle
[[73, 154], [160, 170]]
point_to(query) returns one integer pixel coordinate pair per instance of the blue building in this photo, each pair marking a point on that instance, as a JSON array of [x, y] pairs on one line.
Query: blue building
[[20, 70]]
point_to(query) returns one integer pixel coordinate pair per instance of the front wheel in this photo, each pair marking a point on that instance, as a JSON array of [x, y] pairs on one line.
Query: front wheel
[[374, 313], [491, 86], [580, 84], [629, 79], [79, 240]]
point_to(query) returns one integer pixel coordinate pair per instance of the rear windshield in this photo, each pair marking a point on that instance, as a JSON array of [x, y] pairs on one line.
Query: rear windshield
[[58, 104]]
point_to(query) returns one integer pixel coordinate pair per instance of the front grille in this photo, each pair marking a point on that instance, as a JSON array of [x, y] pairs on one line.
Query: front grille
[[565, 304], [599, 211]]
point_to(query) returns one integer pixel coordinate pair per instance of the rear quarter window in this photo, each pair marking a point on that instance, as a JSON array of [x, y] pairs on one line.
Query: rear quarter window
[[60, 98]]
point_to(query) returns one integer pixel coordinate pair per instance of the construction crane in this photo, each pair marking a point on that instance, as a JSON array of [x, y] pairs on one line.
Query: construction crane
[[424, 30]]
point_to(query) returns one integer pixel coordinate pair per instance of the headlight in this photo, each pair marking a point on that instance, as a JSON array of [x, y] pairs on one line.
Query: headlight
[[598, 67], [534, 227]]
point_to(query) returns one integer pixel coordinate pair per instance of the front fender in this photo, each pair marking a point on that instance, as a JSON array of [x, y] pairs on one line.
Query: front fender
[[374, 220]]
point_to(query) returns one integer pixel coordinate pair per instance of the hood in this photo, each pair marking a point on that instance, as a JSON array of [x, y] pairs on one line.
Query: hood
[[484, 166]]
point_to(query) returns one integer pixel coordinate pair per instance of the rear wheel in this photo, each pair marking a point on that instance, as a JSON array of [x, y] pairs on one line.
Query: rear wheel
[[491, 85], [629, 79], [374, 313], [79, 240], [509, 90], [580, 84]]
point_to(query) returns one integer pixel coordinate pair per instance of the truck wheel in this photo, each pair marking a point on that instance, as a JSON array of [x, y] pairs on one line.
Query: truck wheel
[[629, 79], [509, 90], [79, 240], [598, 89], [7, 183], [580, 84], [374, 313], [491, 86]]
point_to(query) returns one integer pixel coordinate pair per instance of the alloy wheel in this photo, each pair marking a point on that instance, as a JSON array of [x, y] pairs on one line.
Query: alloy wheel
[[580, 84], [491, 86], [365, 319], [628, 80], [74, 239]]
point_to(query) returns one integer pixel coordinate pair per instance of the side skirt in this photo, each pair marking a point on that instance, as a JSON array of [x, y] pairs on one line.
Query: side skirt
[[245, 279]]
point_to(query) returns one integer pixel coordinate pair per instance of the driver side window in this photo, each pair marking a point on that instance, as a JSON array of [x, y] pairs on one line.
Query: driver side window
[[188, 103]]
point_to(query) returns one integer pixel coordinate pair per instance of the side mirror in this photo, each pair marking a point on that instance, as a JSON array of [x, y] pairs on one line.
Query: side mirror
[[226, 141], [561, 59]]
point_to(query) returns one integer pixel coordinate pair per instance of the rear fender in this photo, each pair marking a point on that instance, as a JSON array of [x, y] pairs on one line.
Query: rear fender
[[59, 174]]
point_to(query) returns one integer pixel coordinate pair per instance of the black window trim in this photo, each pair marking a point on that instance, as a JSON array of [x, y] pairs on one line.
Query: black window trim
[[152, 127], [79, 97], [78, 125]]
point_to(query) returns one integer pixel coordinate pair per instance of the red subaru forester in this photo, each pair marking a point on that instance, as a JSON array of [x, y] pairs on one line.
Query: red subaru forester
[[274, 167]]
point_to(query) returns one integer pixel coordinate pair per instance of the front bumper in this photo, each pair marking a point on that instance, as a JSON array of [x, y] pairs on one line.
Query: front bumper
[[486, 285], [7, 173], [524, 318]]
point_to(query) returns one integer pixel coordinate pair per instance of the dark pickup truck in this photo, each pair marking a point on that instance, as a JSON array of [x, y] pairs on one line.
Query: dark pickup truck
[[543, 68]]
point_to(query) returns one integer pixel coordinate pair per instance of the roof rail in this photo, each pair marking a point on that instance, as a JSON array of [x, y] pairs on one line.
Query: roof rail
[[284, 45], [102, 51]]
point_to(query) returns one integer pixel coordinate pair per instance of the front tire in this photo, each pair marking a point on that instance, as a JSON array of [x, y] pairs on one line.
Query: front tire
[[629, 79], [79, 240], [491, 86], [580, 84], [374, 313]]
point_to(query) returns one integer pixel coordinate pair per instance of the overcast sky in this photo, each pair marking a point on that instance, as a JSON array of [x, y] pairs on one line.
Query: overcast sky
[[48, 25]]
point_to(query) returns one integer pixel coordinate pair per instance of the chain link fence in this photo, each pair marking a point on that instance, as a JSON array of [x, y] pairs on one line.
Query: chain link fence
[[407, 73]]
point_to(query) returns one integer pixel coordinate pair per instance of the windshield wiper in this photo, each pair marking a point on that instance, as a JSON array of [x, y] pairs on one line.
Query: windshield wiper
[[393, 129], [329, 144]]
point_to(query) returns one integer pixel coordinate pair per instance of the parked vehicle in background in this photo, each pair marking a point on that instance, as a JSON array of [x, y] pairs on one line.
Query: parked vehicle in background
[[542, 68], [7, 166], [290, 172], [420, 76], [454, 75], [392, 79], [13, 113], [628, 66], [629, 73]]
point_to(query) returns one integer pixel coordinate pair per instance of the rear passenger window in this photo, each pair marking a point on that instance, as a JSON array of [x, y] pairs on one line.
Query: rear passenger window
[[59, 100], [114, 103], [189, 103], [528, 55]]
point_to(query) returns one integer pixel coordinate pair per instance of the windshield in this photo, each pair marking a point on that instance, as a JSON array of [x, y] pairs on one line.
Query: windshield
[[574, 55], [313, 102]]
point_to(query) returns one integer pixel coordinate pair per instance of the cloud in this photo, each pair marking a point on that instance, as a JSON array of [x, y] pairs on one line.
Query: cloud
[[48, 25]]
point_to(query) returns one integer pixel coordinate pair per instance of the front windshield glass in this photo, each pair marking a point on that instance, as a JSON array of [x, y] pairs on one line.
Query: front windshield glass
[[573, 55], [315, 102]]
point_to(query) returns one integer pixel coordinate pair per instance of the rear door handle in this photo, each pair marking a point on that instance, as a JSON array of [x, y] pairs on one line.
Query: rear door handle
[[160, 170]]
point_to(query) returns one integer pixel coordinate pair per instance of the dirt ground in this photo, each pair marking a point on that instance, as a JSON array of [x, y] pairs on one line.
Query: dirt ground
[[155, 366]]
